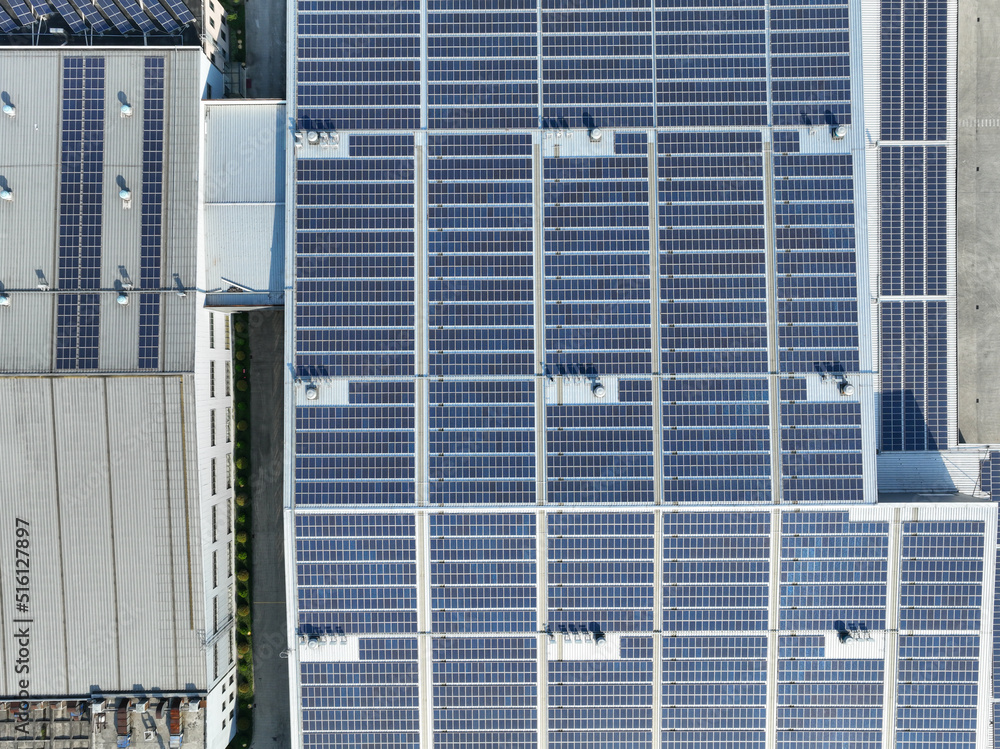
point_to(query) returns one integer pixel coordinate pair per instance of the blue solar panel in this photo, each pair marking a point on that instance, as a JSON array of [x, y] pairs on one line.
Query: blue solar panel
[[833, 572], [152, 209], [180, 10], [480, 255], [70, 15], [80, 208], [356, 574], [914, 405], [115, 15], [137, 16], [22, 11], [7, 22], [485, 692], [714, 691], [161, 15], [601, 572], [369, 703], [602, 453], [914, 65], [483, 576], [716, 571], [482, 443], [597, 264], [357, 454], [598, 703]]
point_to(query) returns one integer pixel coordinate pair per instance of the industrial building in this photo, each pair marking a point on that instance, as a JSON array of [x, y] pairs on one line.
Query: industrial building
[[117, 495], [621, 379]]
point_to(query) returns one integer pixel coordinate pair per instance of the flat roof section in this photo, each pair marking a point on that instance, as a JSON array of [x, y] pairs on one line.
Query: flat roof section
[[101, 529]]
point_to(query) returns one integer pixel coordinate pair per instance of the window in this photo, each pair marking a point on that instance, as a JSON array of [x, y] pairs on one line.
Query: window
[[215, 569], [229, 558], [230, 650], [211, 379], [215, 527], [229, 424], [229, 379], [213, 479], [211, 22], [226, 332], [211, 330], [215, 659], [215, 626], [222, 34], [229, 517], [229, 472], [212, 420]]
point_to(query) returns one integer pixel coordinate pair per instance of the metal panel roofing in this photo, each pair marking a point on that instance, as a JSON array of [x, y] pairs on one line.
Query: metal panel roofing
[[115, 611], [99, 242]]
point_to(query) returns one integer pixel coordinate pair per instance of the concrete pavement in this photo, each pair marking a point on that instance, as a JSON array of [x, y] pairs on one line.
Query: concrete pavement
[[978, 224], [271, 719]]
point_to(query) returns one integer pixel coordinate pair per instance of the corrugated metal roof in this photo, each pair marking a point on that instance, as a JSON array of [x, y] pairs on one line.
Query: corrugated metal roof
[[31, 152], [245, 152], [244, 234], [245, 244], [97, 469]]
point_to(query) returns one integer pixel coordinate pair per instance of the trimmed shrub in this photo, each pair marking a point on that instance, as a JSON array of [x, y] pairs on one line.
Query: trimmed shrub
[[241, 537], [242, 649], [242, 425], [241, 499], [243, 610], [244, 688], [243, 575], [243, 723], [242, 385], [241, 555], [242, 463]]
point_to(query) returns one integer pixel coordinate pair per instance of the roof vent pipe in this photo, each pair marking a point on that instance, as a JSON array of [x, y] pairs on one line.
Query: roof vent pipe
[[8, 109]]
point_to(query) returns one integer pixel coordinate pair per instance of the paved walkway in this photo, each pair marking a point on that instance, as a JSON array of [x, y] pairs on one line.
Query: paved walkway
[[978, 225], [265, 30], [271, 720]]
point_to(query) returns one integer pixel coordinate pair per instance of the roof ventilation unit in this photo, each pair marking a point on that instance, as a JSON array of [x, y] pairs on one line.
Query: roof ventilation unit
[[125, 111], [8, 109], [599, 390], [839, 132], [596, 134], [313, 137], [123, 299], [4, 300], [846, 388], [7, 194], [312, 392], [126, 195]]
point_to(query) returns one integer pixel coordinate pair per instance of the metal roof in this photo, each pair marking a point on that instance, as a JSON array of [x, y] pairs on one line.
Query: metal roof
[[101, 474], [244, 199], [63, 282]]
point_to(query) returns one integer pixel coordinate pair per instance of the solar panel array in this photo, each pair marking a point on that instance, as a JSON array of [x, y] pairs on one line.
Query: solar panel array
[[527, 199], [80, 203], [99, 17], [709, 664], [914, 220], [152, 209]]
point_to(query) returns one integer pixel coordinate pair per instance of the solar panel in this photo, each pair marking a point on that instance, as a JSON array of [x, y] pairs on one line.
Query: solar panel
[[179, 9], [914, 68], [7, 22], [94, 19], [161, 15], [485, 691], [152, 209], [22, 11], [80, 207], [483, 576], [70, 15], [360, 453], [914, 406], [135, 13], [356, 574], [114, 14]]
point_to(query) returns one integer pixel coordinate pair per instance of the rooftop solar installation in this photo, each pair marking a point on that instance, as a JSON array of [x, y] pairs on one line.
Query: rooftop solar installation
[[585, 389]]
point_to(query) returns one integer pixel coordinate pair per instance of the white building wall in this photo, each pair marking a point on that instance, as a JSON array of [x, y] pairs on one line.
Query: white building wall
[[216, 491]]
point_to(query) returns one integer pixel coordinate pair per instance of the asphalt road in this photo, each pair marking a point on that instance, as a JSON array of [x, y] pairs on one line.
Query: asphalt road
[[271, 719], [265, 30]]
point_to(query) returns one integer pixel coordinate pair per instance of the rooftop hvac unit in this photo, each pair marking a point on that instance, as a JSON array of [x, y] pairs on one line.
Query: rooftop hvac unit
[[141, 706], [839, 132]]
